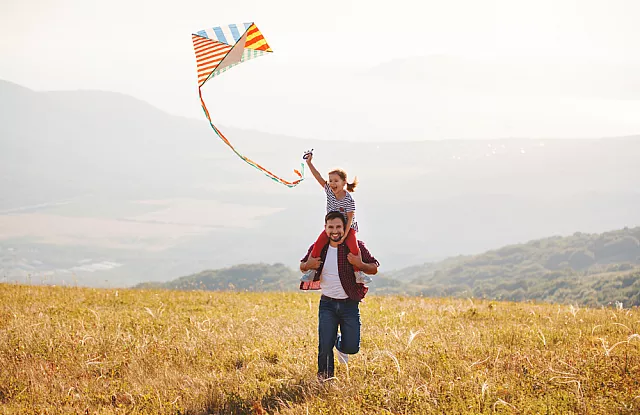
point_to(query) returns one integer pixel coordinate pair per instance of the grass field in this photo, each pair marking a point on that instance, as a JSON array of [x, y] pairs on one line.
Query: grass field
[[91, 351]]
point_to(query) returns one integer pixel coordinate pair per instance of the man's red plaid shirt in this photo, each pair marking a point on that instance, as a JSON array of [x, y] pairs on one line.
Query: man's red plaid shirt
[[354, 290]]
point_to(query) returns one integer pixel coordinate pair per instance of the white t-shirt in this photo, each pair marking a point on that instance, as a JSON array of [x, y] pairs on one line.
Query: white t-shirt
[[329, 278]]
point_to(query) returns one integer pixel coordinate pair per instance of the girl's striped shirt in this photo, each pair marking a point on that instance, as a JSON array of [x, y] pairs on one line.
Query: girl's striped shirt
[[344, 205]]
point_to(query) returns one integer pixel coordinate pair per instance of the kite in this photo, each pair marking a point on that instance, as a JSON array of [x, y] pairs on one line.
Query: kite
[[221, 48]]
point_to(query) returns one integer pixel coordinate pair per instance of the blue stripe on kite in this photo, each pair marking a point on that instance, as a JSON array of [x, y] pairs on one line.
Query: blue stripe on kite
[[202, 33], [220, 35], [234, 31]]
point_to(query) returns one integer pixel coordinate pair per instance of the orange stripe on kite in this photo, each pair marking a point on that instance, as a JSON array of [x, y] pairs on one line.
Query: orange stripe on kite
[[207, 66], [208, 58], [256, 41], [199, 41], [253, 41], [209, 49]]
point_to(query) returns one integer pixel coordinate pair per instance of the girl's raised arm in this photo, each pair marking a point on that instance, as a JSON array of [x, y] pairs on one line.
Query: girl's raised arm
[[315, 171]]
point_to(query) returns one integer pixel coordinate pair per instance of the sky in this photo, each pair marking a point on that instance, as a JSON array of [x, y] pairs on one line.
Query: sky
[[339, 67]]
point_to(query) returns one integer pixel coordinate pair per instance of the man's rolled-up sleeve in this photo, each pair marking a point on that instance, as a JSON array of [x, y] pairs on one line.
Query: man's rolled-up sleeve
[[306, 257], [310, 285], [367, 258]]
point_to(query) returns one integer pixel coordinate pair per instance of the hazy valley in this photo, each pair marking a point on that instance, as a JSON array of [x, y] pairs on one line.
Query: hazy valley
[[102, 189]]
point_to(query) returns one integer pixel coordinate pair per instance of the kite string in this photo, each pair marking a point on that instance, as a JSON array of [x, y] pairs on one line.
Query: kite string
[[247, 160]]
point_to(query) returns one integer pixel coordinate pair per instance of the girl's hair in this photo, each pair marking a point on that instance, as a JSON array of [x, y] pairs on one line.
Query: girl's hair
[[351, 187]]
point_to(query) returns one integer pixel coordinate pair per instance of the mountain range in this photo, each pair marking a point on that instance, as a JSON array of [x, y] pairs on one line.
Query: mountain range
[[99, 188]]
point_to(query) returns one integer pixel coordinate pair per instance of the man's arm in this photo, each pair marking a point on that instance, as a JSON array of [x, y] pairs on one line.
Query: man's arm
[[365, 261], [311, 263], [308, 262], [370, 268]]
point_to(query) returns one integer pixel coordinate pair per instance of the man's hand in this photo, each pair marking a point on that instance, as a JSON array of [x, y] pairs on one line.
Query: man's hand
[[355, 260], [312, 263]]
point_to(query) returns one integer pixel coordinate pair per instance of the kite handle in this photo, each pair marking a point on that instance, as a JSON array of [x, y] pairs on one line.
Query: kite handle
[[307, 154]]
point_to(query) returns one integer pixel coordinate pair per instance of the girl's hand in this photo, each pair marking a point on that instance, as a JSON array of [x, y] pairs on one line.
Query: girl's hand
[[308, 156]]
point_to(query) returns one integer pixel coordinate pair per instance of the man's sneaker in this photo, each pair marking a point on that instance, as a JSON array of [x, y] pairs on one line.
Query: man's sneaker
[[362, 278], [308, 276], [342, 357]]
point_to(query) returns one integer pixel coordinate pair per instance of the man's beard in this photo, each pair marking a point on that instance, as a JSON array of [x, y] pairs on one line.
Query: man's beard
[[335, 237]]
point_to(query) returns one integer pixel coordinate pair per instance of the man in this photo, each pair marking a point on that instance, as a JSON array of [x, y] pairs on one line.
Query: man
[[341, 294]]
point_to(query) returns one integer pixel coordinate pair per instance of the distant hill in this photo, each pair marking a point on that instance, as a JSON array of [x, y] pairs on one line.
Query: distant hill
[[250, 277], [583, 268], [587, 269]]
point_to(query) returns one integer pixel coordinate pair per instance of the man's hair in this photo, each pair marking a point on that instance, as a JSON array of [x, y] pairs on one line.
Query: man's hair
[[335, 214]]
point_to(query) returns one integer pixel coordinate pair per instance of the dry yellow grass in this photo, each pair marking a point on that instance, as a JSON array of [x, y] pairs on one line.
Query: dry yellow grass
[[77, 350]]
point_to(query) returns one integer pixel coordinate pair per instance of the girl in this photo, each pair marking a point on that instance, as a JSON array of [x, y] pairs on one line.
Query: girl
[[339, 199]]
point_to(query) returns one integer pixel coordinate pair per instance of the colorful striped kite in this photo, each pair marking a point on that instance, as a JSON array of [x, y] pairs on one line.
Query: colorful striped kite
[[221, 48]]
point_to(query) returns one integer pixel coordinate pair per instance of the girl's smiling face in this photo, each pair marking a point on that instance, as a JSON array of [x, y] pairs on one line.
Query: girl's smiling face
[[336, 183]]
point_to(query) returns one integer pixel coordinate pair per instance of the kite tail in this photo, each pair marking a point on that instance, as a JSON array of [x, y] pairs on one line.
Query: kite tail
[[266, 172]]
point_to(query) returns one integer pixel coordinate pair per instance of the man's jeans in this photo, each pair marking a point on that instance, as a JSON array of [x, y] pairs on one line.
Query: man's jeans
[[332, 314]]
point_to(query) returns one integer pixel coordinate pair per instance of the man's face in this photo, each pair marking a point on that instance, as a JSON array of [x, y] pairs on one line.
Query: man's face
[[334, 229]]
